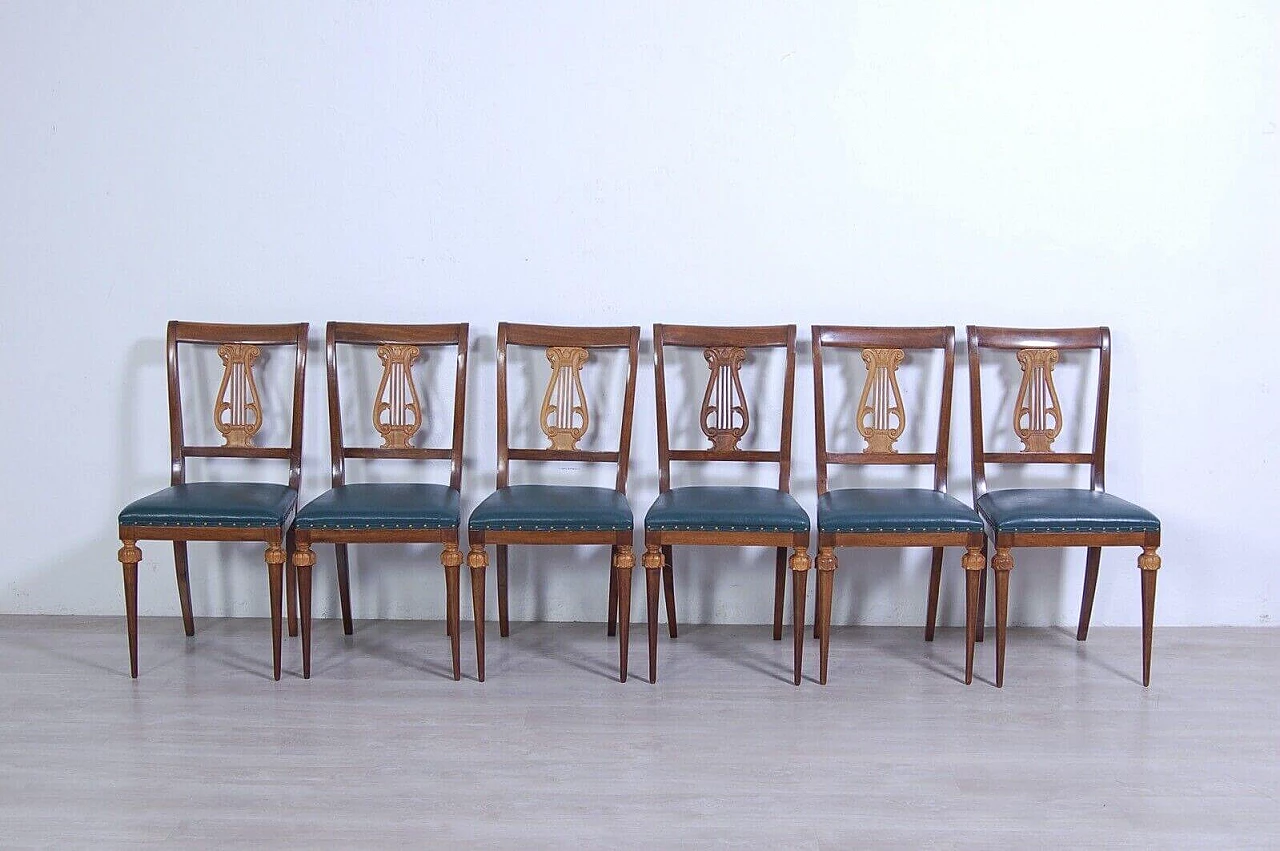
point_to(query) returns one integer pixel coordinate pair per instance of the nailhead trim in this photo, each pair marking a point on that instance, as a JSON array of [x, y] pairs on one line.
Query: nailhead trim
[[371, 524], [736, 527], [902, 527], [555, 527], [179, 521]]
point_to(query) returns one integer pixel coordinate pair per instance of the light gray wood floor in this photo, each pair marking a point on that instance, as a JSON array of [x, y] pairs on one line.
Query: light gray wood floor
[[381, 749]]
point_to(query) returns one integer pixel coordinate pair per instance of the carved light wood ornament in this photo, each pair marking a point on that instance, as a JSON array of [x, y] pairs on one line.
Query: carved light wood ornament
[[238, 412], [564, 405], [1037, 403], [724, 418], [881, 417], [397, 414]]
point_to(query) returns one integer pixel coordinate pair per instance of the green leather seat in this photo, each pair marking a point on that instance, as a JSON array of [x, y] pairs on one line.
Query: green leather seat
[[243, 504], [382, 506], [903, 510], [1063, 510], [553, 508], [726, 509]]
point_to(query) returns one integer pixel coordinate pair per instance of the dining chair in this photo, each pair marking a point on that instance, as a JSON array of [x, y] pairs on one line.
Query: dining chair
[[558, 514], [1055, 517], [387, 512], [725, 515], [897, 516], [222, 511]]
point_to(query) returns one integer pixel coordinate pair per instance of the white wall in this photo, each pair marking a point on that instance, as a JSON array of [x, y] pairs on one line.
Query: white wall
[[1038, 164]]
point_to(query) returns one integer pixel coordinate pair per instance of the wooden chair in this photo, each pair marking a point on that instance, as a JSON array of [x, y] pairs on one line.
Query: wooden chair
[[558, 514], [221, 511], [1055, 517], [892, 517], [387, 513], [725, 516]]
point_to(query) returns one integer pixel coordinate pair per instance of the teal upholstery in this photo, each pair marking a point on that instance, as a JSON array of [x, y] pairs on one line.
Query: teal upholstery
[[553, 508], [1063, 510], [382, 506], [894, 510], [726, 509], [243, 504]]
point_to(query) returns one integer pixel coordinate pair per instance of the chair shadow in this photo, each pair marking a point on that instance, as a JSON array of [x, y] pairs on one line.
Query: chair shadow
[[743, 656], [540, 647], [1080, 652], [376, 646]]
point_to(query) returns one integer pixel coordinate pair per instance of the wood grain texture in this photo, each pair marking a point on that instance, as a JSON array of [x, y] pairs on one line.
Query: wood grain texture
[[1070, 754]]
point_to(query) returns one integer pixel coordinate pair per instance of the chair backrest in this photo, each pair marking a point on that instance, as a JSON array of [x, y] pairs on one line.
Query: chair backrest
[[1037, 414], [237, 408], [396, 410], [565, 416], [881, 414], [725, 415]]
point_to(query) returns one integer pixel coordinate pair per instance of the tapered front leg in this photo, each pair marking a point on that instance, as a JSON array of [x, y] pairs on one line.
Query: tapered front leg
[[275, 578], [451, 560], [477, 560], [304, 559], [129, 556], [1001, 564], [1149, 564], [800, 563], [974, 564], [827, 565]]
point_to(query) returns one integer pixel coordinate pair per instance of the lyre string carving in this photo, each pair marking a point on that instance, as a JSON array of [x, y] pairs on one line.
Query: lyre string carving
[[1037, 402], [564, 416], [724, 418], [881, 416], [397, 413], [237, 414]]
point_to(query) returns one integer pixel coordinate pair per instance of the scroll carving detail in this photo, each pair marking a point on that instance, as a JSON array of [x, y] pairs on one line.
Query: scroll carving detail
[[237, 414], [881, 417], [564, 405], [1037, 405], [397, 413], [724, 417]]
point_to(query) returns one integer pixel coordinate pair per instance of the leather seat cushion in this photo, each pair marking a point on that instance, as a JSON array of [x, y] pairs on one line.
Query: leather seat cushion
[[1063, 510], [894, 510], [246, 504], [553, 508], [726, 509], [382, 506]]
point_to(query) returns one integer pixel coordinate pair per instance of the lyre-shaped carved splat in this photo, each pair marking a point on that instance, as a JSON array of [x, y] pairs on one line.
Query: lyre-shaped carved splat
[[724, 418], [397, 414], [1037, 402], [237, 414], [881, 417], [564, 405]]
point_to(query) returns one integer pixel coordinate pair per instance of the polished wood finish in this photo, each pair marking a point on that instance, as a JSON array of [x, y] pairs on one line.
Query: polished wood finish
[[1037, 420], [397, 417], [238, 416], [564, 419], [724, 418], [881, 419]]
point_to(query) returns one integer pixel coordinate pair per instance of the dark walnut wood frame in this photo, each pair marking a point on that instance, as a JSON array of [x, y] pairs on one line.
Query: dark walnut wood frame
[[1068, 339], [622, 557], [278, 540], [658, 544], [364, 334], [974, 559]]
